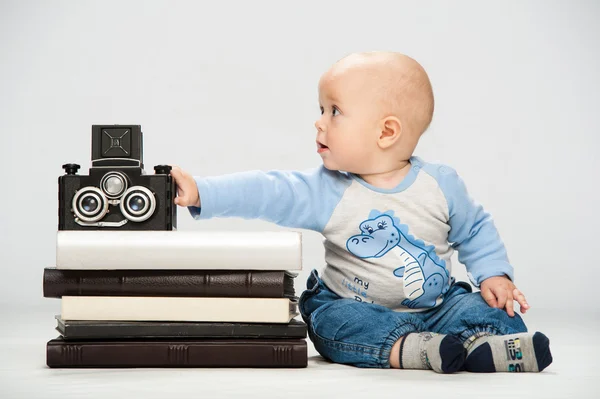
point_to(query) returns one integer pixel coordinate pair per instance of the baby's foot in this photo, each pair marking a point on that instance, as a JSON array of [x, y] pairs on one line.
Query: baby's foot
[[441, 353], [516, 352]]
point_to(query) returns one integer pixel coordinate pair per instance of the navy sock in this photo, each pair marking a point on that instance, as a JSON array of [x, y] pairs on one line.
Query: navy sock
[[441, 353], [511, 353]]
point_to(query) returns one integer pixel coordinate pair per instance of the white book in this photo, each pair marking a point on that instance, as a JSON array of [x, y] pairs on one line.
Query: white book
[[234, 250], [199, 309]]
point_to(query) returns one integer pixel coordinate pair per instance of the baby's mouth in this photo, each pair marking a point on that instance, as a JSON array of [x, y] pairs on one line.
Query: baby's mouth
[[321, 146]]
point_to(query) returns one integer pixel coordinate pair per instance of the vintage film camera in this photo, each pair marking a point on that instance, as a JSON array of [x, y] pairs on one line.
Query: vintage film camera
[[117, 193]]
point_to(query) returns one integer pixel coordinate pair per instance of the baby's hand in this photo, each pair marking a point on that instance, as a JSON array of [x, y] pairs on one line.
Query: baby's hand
[[187, 191], [500, 292]]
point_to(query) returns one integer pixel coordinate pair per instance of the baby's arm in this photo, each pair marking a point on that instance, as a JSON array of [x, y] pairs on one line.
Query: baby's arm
[[287, 198], [480, 249]]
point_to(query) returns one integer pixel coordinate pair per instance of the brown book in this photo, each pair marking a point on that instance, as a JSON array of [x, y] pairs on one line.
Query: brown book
[[101, 329], [272, 353], [204, 283]]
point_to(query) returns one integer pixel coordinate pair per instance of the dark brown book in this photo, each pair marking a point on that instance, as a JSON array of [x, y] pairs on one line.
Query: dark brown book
[[100, 329], [181, 283], [272, 353]]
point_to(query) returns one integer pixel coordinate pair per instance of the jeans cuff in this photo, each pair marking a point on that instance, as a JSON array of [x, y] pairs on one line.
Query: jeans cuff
[[400, 331], [313, 281], [469, 336]]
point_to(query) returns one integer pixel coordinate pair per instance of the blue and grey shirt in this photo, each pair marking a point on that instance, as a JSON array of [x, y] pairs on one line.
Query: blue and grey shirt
[[391, 247]]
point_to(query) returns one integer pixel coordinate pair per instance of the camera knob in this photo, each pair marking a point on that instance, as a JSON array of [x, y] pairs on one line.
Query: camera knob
[[162, 169], [71, 168]]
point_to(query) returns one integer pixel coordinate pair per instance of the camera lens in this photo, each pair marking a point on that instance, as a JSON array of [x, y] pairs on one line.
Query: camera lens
[[114, 184], [89, 204], [136, 203]]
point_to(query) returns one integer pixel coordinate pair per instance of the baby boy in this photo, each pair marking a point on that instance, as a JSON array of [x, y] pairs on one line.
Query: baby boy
[[391, 221]]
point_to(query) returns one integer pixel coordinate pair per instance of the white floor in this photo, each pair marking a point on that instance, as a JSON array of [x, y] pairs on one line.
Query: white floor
[[575, 373]]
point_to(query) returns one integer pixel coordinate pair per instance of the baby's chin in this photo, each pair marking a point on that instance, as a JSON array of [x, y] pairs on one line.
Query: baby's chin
[[328, 166], [338, 168]]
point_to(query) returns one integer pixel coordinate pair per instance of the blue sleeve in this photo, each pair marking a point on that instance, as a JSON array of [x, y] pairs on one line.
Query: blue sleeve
[[472, 231], [288, 198]]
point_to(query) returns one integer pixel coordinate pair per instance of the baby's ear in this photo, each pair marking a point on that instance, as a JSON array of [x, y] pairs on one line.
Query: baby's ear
[[390, 131]]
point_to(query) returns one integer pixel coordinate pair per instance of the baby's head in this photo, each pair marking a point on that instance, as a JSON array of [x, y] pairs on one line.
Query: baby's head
[[374, 108]]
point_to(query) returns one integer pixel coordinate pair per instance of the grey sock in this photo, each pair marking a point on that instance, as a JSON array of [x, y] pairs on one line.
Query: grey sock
[[441, 353], [516, 352]]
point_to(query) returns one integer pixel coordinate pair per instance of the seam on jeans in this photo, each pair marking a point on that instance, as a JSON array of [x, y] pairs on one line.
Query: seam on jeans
[[343, 347], [451, 295], [447, 309], [473, 329], [325, 286], [307, 294], [315, 287], [335, 338], [313, 276]]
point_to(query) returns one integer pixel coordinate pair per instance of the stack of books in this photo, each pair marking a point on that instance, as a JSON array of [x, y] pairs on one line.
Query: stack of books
[[176, 299]]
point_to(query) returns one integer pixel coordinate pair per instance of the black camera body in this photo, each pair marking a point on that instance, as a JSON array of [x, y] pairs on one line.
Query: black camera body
[[117, 194]]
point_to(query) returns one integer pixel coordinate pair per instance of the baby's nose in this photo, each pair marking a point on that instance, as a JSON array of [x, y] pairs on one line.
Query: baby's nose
[[319, 125]]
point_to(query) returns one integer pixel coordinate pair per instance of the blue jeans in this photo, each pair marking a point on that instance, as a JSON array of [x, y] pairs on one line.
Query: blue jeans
[[362, 334]]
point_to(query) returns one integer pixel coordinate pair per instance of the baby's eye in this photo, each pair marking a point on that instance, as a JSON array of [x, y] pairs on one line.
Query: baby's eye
[[335, 111], [322, 110]]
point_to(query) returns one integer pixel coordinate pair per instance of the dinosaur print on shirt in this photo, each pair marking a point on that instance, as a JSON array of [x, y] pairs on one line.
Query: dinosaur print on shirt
[[424, 275]]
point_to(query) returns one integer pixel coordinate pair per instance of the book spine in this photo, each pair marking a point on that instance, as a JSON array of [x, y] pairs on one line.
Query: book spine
[[124, 354], [207, 309], [250, 284], [106, 330], [96, 250]]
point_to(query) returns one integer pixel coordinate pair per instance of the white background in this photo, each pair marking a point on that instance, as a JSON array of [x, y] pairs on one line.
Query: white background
[[220, 87], [223, 86]]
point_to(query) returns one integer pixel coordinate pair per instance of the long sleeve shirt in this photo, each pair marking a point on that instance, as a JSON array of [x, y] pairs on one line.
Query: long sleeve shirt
[[390, 247]]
